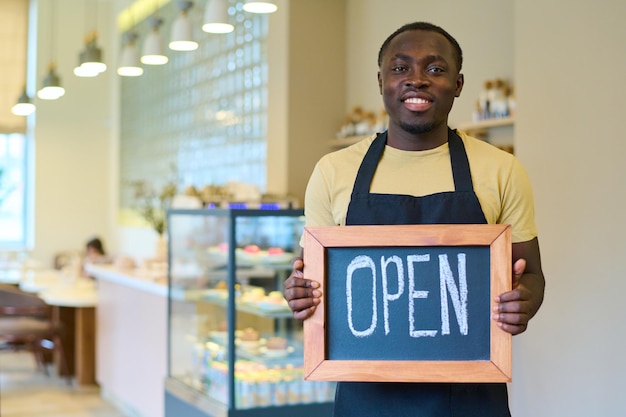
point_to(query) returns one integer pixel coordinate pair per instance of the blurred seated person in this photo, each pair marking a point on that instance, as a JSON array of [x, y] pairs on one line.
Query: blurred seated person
[[95, 253]]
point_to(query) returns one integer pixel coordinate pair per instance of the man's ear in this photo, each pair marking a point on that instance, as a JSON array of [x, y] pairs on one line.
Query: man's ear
[[460, 80], [380, 84]]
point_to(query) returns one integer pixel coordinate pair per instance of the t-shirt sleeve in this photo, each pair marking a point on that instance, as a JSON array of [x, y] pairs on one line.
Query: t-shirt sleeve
[[518, 207], [317, 198]]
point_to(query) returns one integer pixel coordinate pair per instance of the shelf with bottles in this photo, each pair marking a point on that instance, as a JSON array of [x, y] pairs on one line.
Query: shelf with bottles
[[487, 124], [498, 131], [345, 141]]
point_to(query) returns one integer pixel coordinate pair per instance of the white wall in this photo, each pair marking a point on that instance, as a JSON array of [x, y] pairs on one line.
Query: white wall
[[570, 66], [72, 137], [306, 101]]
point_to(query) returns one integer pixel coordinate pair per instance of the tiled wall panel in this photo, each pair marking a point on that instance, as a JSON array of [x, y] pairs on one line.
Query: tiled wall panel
[[203, 114]]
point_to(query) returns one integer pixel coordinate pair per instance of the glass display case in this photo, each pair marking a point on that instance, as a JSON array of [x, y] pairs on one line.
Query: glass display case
[[234, 348]]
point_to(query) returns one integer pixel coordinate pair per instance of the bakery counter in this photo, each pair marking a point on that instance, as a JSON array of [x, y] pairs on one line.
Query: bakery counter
[[235, 348], [131, 338], [145, 280]]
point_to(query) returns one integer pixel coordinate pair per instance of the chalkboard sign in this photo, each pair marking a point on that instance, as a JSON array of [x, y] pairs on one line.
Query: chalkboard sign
[[407, 303]]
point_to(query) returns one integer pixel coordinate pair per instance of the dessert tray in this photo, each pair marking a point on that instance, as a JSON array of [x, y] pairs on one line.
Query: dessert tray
[[251, 255]]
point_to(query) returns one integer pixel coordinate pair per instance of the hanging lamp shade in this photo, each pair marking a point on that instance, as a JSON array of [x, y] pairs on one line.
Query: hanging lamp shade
[[51, 86], [90, 62], [252, 6], [24, 105], [216, 17], [129, 61], [153, 53], [81, 71], [182, 38], [93, 58]]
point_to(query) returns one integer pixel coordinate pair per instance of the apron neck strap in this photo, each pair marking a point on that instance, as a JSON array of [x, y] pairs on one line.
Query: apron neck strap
[[458, 159]]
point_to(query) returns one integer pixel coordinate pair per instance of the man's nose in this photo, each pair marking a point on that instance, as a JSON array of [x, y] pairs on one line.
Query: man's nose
[[416, 79]]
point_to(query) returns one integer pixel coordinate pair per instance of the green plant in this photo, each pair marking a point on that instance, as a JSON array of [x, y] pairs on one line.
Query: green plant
[[152, 204]]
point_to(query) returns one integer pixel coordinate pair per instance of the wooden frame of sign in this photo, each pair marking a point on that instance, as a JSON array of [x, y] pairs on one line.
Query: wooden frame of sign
[[317, 364]]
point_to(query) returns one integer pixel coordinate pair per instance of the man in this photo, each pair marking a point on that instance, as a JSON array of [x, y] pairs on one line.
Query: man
[[421, 172]]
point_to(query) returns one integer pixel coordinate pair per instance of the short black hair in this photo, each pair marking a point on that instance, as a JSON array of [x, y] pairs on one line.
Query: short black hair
[[96, 243], [427, 27]]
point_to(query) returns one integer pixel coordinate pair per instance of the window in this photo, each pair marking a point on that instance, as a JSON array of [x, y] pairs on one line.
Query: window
[[14, 195]]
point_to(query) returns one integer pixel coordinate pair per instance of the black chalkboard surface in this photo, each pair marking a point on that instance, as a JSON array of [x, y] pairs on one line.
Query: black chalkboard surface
[[429, 303], [407, 303]]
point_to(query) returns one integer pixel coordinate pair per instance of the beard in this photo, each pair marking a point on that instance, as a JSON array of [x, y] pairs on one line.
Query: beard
[[415, 129]]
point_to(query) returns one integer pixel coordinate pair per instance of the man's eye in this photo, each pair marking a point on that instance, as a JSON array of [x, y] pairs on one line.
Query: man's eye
[[436, 69], [398, 68]]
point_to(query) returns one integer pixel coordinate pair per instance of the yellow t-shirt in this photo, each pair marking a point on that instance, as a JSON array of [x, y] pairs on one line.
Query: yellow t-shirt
[[500, 182]]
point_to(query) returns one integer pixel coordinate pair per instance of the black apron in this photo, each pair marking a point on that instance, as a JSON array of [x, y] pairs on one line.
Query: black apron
[[461, 206]]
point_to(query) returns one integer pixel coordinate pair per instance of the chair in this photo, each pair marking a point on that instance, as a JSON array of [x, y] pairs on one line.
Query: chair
[[26, 323], [63, 259]]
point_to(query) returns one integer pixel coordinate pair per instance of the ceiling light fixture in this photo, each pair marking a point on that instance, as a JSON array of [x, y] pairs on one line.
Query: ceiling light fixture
[[51, 86], [216, 17], [252, 6], [129, 62], [90, 62], [90, 59], [153, 45], [182, 30], [93, 56], [24, 105], [81, 71]]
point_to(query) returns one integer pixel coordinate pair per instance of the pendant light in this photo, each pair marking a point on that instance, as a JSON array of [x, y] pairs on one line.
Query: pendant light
[[252, 6], [182, 29], [153, 45], [81, 71], [93, 56], [129, 62], [216, 17], [90, 59], [24, 105], [51, 85]]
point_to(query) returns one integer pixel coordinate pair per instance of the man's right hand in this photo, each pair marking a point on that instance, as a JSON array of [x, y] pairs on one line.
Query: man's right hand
[[302, 295]]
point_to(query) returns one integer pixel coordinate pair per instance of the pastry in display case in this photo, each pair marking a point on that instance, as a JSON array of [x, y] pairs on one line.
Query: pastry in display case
[[234, 347]]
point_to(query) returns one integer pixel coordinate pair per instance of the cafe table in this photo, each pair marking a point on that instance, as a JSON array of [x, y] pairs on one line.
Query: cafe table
[[73, 307], [39, 280], [10, 276], [12, 272]]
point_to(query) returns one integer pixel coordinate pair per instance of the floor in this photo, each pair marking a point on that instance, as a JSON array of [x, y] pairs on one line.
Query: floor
[[27, 392]]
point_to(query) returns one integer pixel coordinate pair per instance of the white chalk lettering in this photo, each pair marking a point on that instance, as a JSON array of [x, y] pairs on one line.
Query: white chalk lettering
[[458, 295], [413, 294], [361, 262], [386, 295], [450, 290]]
